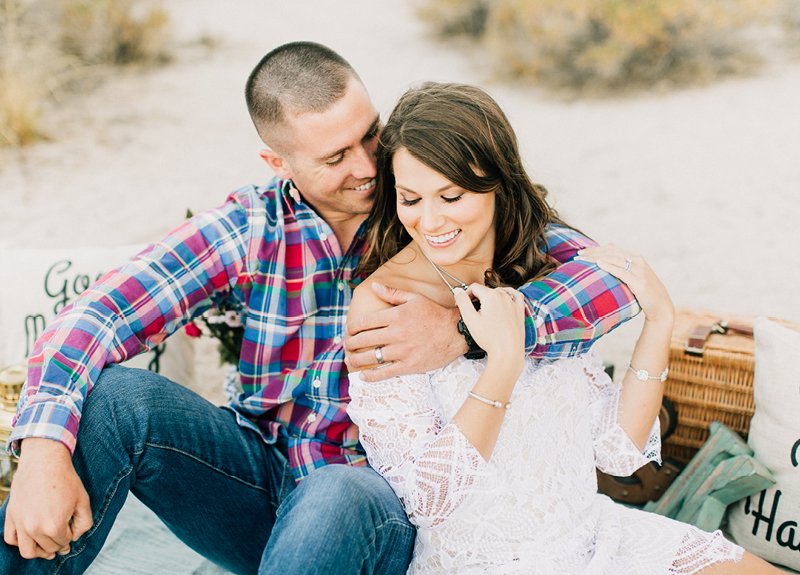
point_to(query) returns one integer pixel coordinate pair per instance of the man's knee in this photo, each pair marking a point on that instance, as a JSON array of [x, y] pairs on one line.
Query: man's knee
[[128, 391], [346, 513], [357, 493], [123, 403]]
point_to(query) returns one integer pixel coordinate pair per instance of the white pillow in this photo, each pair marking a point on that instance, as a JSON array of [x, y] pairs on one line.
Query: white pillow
[[35, 284], [766, 524]]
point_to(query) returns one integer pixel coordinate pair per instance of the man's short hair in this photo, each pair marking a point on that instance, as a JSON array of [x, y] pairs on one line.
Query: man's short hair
[[299, 78]]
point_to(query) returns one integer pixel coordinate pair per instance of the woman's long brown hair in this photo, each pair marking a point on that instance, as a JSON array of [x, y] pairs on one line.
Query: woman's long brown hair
[[460, 132]]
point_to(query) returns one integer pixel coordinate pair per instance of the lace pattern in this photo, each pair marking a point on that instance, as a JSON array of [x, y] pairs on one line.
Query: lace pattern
[[533, 507]]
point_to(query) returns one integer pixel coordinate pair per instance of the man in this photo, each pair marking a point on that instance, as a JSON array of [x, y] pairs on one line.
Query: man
[[254, 487]]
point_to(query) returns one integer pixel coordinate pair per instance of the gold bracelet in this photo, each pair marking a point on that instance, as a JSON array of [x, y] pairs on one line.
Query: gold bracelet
[[644, 375], [489, 401]]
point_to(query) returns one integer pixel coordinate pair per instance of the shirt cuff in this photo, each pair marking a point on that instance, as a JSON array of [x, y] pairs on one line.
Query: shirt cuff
[[47, 420]]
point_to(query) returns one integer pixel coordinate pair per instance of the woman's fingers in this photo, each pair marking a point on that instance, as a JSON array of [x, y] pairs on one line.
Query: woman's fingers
[[613, 254], [499, 325]]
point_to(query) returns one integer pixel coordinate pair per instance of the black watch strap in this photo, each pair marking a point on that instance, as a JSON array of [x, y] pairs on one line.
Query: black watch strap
[[475, 351]]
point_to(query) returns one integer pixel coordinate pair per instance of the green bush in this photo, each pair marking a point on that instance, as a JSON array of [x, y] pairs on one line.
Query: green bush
[[611, 45]]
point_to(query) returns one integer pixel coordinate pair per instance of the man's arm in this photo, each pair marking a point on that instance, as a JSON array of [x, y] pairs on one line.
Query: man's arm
[[575, 304], [567, 311], [126, 312]]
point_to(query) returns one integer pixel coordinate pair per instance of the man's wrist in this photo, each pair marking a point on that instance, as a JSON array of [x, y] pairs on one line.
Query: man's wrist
[[474, 351], [42, 446], [460, 345]]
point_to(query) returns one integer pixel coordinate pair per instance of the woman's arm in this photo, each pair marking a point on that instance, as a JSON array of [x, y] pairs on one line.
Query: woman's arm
[[499, 329], [640, 399], [433, 465]]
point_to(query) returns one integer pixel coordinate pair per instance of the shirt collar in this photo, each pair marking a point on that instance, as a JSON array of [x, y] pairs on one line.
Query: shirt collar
[[290, 192]]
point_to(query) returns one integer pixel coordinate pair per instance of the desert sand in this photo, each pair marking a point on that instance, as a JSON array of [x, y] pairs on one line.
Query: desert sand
[[704, 182]]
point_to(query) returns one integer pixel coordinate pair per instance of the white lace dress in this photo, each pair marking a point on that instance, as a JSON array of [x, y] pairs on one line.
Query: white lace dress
[[534, 507]]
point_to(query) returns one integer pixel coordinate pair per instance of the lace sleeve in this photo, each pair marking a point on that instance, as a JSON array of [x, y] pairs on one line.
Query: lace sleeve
[[430, 465], [615, 452]]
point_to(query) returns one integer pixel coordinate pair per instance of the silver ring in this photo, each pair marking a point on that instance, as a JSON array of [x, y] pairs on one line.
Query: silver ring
[[379, 355], [509, 294], [628, 264]]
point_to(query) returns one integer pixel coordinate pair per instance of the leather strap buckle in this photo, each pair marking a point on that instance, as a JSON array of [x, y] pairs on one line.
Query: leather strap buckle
[[698, 338]]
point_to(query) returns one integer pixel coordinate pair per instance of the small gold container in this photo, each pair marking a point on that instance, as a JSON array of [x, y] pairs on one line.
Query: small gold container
[[11, 380]]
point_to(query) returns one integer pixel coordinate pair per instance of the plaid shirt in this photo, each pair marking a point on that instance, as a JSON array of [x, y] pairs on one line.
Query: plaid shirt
[[269, 252]]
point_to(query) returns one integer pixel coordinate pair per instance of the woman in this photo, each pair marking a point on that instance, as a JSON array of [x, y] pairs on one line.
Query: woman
[[494, 459]]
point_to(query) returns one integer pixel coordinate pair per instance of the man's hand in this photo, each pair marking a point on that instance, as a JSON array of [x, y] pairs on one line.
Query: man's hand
[[415, 336], [48, 507]]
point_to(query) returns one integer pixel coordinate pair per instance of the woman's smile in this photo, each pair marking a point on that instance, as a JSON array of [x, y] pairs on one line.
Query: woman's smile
[[442, 240]]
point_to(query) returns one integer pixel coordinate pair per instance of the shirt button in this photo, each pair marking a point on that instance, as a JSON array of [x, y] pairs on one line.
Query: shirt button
[[341, 286], [312, 417], [317, 382], [323, 236], [542, 341], [337, 339]]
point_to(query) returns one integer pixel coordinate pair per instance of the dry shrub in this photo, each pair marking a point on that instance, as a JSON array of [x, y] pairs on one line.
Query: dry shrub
[[48, 46], [19, 114], [612, 45], [113, 31], [456, 17], [790, 19], [21, 90]]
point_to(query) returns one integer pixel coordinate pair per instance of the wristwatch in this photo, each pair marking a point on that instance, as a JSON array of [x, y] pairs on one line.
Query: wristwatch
[[475, 351]]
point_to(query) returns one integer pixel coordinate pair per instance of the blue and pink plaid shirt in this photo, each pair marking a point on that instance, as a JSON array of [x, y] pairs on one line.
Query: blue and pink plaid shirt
[[280, 263]]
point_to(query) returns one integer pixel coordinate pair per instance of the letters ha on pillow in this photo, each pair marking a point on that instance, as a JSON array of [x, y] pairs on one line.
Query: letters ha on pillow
[[766, 524], [35, 284]]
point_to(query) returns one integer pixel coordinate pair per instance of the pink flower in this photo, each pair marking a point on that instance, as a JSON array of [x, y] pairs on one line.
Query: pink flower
[[232, 319], [192, 330]]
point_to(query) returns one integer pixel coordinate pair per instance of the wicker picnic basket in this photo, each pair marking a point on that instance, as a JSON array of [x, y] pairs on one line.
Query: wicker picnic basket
[[712, 382]]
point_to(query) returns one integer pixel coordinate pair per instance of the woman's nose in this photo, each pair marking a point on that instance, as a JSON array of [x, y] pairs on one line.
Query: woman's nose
[[431, 217]]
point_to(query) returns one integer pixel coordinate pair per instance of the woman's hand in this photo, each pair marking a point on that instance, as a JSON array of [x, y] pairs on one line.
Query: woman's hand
[[499, 326], [645, 285]]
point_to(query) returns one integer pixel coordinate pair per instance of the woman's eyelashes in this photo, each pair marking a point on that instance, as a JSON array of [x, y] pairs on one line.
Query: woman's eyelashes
[[447, 200], [453, 199]]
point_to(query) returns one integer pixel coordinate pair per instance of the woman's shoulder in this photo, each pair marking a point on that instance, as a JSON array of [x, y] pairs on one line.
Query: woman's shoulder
[[401, 272]]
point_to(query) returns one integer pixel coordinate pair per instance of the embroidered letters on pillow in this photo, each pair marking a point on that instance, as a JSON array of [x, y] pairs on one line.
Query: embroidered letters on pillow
[[35, 284], [766, 524]]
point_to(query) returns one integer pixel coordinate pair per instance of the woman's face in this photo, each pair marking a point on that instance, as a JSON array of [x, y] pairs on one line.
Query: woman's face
[[450, 223]]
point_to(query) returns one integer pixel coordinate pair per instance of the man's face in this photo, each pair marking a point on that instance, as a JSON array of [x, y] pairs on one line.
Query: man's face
[[331, 157]]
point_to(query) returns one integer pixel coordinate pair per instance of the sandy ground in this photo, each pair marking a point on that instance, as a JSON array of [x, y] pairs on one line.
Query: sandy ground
[[704, 182]]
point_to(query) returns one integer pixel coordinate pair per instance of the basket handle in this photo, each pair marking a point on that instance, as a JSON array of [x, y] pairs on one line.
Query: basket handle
[[698, 338]]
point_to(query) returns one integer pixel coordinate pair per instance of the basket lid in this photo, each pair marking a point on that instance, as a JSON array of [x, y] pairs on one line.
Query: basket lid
[[687, 319]]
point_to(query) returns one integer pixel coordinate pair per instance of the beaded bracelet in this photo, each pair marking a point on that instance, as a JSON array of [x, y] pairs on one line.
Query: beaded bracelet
[[644, 375]]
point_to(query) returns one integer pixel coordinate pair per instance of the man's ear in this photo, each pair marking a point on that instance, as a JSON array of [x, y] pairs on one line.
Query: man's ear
[[277, 163]]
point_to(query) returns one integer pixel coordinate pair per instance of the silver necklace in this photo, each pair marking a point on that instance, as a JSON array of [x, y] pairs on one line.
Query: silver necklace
[[440, 271], [475, 351]]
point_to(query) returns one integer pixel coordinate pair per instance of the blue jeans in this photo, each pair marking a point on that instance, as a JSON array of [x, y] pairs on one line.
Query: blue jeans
[[220, 489]]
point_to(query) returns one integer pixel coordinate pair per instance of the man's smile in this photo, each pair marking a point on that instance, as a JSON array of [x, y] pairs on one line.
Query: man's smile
[[365, 187]]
